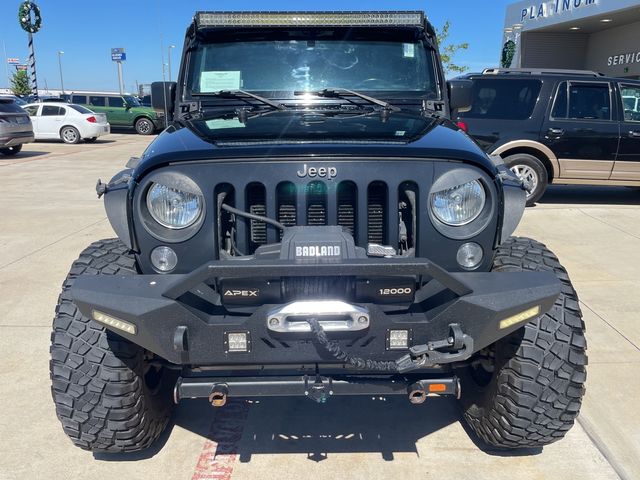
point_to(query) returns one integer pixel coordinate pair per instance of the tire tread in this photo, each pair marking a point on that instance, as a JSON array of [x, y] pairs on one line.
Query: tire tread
[[97, 387], [540, 387]]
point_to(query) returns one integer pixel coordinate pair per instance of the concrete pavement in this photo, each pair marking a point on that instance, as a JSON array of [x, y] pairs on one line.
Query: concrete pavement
[[50, 213]]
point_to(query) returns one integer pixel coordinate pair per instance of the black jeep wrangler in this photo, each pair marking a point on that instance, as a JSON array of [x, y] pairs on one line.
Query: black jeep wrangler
[[312, 224]]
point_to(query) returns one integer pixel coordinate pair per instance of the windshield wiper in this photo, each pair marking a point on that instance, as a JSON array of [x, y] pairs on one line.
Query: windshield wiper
[[343, 92], [243, 94]]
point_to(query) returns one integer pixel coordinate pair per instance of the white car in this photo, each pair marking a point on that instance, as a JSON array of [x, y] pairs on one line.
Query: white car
[[66, 121]]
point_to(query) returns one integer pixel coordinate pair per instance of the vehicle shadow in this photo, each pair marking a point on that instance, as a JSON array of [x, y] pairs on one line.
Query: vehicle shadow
[[23, 154], [82, 142], [384, 425], [593, 195]]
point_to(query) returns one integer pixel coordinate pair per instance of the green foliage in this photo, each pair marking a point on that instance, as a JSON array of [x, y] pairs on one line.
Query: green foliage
[[20, 83], [508, 52], [449, 50], [27, 22]]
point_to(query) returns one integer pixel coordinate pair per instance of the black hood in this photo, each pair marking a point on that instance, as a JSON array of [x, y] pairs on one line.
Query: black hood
[[295, 133]]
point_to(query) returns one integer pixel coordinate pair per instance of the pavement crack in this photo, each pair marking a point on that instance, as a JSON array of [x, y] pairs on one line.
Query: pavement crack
[[610, 325], [608, 224], [52, 243]]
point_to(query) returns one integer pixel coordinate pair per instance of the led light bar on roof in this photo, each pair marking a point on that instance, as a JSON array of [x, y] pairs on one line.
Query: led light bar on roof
[[321, 19]]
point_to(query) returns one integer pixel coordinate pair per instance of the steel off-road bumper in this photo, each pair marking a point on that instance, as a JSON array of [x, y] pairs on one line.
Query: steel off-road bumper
[[181, 317]]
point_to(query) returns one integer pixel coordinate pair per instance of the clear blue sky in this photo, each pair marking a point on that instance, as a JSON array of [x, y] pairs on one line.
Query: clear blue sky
[[86, 30]]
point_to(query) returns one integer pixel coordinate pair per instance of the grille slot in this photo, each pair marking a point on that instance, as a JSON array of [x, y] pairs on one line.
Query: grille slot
[[286, 205], [316, 204], [256, 203], [347, 198], [376, 212]]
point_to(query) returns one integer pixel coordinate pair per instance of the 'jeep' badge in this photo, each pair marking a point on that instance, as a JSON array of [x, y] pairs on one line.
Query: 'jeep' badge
[[324, 172]]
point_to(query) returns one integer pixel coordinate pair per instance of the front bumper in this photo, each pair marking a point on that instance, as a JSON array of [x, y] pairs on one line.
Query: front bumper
[[181, 318], [17, 138]]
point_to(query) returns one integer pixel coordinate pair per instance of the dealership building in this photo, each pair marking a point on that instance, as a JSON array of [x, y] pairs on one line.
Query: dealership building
[[598, 35]]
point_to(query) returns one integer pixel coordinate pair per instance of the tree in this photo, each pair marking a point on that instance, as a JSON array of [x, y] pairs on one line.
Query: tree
[[20, 83], [449, 50]]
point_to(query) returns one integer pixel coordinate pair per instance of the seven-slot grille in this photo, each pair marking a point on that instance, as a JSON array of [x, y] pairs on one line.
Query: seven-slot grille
[[372, 213]]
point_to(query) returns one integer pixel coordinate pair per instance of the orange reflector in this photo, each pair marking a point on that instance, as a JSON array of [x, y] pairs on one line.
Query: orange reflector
[[437, 388]]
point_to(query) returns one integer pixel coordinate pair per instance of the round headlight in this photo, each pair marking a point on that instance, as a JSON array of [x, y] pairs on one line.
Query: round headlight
[[459, 205], [173, 208]]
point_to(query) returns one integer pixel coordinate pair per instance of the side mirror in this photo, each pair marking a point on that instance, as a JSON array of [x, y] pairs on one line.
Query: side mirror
[[460, 94], [163, 97], [126, 105]]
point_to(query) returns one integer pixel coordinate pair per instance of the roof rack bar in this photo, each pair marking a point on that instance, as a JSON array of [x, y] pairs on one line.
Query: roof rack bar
[[541, 71]]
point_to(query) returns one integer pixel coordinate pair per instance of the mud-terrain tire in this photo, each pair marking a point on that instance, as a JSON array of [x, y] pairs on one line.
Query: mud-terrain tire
[[106, 396], [532, 391]]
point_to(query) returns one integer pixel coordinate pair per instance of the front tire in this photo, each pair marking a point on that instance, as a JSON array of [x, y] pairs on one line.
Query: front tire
[[106, 394], [526, 389], [70, 135], [144, 126], [532, 172], [10, 151]]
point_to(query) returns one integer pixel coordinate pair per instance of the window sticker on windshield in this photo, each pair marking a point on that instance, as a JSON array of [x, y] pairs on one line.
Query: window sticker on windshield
[[401, 133], [408, 50], [216, 81], [221, 123]]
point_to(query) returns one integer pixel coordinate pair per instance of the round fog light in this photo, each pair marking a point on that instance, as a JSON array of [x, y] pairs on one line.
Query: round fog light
[[164, 259], [469, 255]]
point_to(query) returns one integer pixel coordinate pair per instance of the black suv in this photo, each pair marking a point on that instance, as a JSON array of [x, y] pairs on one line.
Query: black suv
[[311, 223], [558, 126]]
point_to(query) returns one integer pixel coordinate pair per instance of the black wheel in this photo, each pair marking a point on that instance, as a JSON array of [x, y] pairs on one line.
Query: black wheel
[[90, 139], [108, 397], [9, 151], [144, 126], [70, 134], [526, 389], [532, 172]]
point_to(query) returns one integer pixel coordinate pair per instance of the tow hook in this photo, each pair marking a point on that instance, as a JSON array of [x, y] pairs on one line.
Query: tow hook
[[456, 347], [218, 395]]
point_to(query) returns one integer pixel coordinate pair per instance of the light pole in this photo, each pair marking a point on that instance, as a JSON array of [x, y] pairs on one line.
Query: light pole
[[170, 47], [60, 53]]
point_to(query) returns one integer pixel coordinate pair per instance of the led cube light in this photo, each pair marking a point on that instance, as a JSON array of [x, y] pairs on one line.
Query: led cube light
[[237, 342], [398, 339], [321, 19]]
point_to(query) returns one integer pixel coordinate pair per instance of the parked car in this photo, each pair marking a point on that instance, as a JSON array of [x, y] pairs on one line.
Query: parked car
[[19, 101], [558, 126], [122, 111], [70, 123], [15, 127]]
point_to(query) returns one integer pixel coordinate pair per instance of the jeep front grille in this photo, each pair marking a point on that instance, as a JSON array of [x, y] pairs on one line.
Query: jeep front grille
[[377, 212]]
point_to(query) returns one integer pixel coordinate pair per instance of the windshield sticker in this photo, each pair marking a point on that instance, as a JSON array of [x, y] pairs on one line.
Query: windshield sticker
[[401, 133], [408, 50], [216, 81], [221, 123]]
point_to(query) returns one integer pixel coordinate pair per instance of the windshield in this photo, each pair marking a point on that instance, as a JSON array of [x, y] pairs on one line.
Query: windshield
[[133, 101], [313, 62]]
